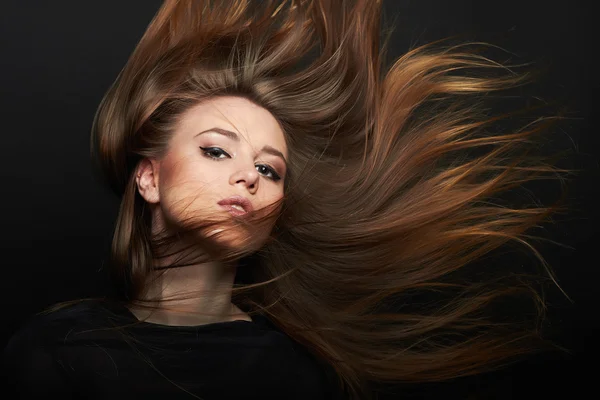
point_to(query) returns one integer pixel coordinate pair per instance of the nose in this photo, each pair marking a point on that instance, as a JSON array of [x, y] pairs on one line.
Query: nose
[[248, 177]]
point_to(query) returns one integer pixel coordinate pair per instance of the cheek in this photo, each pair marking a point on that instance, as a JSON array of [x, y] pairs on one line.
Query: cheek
[[190, 176], [188, 189], [272, 203], [271, 193]]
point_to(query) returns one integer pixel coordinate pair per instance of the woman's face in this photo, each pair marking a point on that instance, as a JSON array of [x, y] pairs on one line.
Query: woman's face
[[223, 147]]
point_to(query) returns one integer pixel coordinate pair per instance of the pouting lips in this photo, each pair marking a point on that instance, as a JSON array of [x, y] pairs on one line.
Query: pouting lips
[[237, 205], [234, 209]]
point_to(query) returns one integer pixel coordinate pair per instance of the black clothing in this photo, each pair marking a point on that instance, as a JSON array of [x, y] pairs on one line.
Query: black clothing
[[85, 351]]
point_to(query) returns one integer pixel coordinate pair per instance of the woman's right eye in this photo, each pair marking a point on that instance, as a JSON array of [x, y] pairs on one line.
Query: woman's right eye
[[214, 152]]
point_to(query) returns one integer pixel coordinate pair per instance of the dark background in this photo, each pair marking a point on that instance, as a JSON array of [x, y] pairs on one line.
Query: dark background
[[58, 58]]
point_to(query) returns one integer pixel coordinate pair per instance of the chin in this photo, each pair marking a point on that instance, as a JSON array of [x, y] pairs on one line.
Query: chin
[[237, 238]]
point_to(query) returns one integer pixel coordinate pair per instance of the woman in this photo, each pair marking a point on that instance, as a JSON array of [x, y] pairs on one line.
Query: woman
[[297, 220]]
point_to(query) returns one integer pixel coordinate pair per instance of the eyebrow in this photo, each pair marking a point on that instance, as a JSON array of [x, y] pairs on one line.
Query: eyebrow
[[232, 135]]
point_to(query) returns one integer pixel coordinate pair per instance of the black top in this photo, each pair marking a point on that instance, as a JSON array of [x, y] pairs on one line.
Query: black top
[[84, 351]]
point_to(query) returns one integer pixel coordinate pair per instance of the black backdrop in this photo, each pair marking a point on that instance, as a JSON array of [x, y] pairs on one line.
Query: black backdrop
[[58, 58]]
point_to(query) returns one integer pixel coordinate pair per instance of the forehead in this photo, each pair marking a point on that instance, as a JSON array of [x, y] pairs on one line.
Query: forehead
[[254, 124]]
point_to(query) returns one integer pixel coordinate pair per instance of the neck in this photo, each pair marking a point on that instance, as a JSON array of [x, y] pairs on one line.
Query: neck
[[190, 295], [195, 294]]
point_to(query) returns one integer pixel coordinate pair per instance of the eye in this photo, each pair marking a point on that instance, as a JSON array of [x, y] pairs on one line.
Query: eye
[[214, 153], [268, 172]]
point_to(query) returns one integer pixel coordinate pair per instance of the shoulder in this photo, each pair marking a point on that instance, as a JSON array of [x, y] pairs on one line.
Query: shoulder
[[55, 325], [32, 356]]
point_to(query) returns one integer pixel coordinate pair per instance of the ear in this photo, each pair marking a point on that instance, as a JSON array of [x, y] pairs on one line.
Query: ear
[[147, 180]]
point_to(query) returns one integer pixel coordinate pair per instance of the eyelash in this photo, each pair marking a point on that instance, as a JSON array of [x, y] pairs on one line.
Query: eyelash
[[207, 150]]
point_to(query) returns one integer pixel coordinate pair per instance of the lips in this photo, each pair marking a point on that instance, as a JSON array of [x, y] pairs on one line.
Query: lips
[[236, 205]]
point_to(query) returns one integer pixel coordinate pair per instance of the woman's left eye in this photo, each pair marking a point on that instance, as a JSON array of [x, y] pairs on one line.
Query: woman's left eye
[[268, 170]]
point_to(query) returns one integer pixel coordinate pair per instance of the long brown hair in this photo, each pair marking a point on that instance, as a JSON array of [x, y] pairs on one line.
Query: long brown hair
[[377, 262]]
